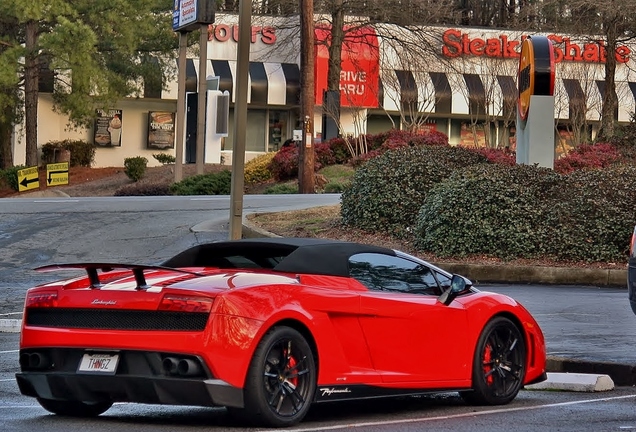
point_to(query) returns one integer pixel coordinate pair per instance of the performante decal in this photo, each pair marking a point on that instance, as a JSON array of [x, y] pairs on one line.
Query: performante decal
[[331, 391]]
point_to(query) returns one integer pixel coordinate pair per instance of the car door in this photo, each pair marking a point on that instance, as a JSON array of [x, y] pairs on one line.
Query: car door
[[411, 336]]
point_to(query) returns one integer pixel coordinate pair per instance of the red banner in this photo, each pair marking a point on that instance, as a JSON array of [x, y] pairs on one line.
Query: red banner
[[360, 74]]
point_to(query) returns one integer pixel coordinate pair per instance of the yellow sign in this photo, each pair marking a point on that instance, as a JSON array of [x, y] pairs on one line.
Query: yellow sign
[[526, 77], [28, 179], [57, 174]]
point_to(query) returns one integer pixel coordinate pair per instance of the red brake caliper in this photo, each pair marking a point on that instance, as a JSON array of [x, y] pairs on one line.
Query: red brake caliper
[[291, 362], [486, 364]]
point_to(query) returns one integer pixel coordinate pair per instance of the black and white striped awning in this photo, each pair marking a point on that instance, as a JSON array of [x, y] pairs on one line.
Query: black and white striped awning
[[269, 83], [455, 94], [445, 93]]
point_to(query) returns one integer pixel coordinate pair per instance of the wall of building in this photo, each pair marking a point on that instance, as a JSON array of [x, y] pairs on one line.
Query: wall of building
[[53, 126], [478, 68]]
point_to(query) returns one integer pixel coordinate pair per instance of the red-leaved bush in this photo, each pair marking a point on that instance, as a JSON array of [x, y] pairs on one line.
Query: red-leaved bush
[[588, 156], [395, 139], [323, 155], [284, 165], [493, 155], [429, 138], [339, 148]]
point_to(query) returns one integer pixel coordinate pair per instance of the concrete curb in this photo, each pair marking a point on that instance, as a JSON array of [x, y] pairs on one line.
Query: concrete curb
[[574, 382], [621, 374], [540, 275], [45, 193]]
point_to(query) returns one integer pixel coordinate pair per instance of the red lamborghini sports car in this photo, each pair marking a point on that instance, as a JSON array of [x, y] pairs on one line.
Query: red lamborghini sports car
[[268, 327]]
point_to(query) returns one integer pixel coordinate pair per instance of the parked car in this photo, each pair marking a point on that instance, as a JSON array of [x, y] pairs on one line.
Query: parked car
[[268, 327], [631, 272]]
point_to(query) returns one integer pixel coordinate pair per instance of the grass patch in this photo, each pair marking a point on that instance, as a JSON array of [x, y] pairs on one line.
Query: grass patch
[[338, 173]]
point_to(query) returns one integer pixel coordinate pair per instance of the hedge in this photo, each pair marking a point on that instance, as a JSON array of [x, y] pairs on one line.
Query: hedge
[[387, 192]]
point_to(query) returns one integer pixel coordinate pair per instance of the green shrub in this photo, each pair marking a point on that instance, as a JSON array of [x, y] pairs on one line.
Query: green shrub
[[600, 214], [257, 169], [82, 152], [164, 158], [218, 183], [529, 212], [387, 192], [135, 167], [10, 175], [138, 189], [492, 209], [282, 188]]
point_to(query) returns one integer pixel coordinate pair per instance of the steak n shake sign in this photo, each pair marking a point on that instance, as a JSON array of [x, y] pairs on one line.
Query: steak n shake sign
[[457, 44]]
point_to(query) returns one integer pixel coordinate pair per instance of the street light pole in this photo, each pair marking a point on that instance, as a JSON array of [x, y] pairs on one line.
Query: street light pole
[[306, 178], [240, 120]]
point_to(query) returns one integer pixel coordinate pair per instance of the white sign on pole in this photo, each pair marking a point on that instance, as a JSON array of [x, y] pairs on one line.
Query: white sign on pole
[[184, 13]]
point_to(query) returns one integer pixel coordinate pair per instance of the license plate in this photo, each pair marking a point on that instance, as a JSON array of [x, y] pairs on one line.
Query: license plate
[[99, 363]]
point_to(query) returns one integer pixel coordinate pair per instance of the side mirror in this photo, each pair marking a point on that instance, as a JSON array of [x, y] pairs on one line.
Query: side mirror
[[458, 285]]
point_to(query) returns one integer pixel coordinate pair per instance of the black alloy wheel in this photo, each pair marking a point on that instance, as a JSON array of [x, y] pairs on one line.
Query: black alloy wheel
[[499, 364], [281, 381]]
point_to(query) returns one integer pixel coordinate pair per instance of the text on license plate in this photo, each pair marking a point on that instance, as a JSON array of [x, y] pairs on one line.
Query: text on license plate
[[99, 363]]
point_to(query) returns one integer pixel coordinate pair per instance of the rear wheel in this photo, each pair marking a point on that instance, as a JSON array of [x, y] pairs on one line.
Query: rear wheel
[[281, 380], [74, 408], [499, 365]]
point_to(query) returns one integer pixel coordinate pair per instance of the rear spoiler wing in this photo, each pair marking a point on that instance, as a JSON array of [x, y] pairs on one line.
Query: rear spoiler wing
[[92, 271]]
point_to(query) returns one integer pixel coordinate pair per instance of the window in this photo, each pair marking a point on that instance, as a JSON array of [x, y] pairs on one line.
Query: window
[[377, 123], [443, 280], [255, 133], [277, 130], [380, 272]]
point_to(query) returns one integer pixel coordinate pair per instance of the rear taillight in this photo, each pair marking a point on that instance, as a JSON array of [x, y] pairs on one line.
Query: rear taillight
[[42, 299], [185, 304], [632, 247]]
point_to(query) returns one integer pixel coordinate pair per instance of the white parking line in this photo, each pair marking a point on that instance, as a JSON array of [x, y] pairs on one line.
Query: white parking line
[[20, 406], [7, 352], [454, 416], [7, 380]]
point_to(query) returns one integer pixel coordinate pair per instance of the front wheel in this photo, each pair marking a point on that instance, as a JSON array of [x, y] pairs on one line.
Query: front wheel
[[281, 380], [74, 408], [499, 364]]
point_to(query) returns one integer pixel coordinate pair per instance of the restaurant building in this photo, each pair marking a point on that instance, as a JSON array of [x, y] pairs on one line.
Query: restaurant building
[[460, 81]]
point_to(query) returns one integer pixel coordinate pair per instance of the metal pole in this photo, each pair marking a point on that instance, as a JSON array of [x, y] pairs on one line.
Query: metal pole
[[240, 120], [202, 97], [181, 82], [306, 177]]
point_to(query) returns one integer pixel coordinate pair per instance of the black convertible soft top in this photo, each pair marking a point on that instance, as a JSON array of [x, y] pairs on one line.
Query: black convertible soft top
[[289, 255]]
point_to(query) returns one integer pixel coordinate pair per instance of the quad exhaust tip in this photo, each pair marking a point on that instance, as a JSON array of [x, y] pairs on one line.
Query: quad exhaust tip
[[34, 361], [181, 366]]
